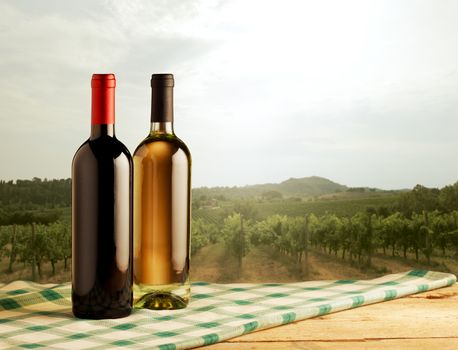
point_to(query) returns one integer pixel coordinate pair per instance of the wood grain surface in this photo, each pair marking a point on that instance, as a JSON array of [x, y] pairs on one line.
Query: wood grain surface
[[423, 321]]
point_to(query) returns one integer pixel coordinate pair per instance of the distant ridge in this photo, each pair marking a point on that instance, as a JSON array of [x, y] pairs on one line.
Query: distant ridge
[[293, 187]]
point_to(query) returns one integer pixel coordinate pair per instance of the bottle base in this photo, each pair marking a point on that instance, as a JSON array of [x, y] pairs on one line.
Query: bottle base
[[160, 300], [161, 297], [106, 314]]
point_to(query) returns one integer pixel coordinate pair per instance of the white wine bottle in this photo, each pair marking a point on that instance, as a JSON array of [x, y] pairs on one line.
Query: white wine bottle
[[162, 211]]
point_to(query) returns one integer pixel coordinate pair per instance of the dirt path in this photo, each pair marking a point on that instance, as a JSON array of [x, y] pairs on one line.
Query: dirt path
[[265, 265], [205, 265], [324, 267], [262, 264], [260, 267]]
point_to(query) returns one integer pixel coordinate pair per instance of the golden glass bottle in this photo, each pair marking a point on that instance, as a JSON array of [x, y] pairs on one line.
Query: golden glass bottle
[[162, 211]]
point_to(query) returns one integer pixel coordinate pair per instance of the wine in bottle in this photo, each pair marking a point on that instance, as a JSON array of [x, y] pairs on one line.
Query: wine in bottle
[[102, 214], [162, 183]]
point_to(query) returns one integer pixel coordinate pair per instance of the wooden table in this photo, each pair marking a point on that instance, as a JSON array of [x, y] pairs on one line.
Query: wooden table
[[422, 321]]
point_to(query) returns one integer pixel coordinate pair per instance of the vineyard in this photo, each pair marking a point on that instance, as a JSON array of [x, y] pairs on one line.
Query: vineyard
[[364, 236], [426, 238], [339, 207]]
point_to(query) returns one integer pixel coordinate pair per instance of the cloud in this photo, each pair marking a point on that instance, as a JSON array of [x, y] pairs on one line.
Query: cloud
[[361, 93], [48, 54]]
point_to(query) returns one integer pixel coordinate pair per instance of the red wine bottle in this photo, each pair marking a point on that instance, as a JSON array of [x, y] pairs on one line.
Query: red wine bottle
[[102, 214]]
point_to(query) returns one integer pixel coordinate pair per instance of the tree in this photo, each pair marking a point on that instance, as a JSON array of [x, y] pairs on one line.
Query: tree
[[358, 241], [67, 245], [329, 229], [448, 198], [271, 195], [247, 209], [418, 230], [347, 232], [202, 233], [270, 231], [393, 231], [452, 239], [440, 224], [313, 226], [295, 227], [306, 243], [234, 232], [13, 249], [55, 236], [365, 242], [40, 247], [32, 249], [419, 199]]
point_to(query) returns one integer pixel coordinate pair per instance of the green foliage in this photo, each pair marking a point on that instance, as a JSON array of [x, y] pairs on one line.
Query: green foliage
[[33, 244], [340, 207], [448, 198], [389, 230], [262, 210], [5, 238], [58, 243], [214, 216], [295, 239], [354, 227], [269, 231], [236, 234], [271, 195], [24, 217], [418, 200], [246, 208], [356, 238], [35, 194], [203, 233]]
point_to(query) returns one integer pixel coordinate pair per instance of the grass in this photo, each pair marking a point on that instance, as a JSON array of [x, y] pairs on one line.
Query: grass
[[21, 272], [263, 264]]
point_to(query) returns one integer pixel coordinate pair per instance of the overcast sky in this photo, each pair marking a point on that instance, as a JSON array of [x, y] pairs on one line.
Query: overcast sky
[[362, 92]]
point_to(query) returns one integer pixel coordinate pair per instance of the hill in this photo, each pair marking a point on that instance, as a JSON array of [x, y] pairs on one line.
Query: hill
[[312, 186], [56, 193]]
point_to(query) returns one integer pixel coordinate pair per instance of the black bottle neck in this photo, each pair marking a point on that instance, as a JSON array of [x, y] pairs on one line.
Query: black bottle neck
[[162, 104], [100, 130]]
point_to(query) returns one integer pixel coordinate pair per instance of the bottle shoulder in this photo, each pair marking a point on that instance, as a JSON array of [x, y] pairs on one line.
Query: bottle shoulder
[[122, 147], [171, 139], [102, 148], [83, 151]]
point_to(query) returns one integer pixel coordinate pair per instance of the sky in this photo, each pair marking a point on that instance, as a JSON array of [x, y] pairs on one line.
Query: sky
[[364, 93]]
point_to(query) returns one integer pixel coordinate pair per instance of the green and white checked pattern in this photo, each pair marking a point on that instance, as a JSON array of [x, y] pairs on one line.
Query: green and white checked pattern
[[36, 316]]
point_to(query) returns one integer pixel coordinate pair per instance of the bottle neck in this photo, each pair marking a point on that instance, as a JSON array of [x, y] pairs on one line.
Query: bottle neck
[[162, 128], [162, 104], [100, 130], [103, 99]]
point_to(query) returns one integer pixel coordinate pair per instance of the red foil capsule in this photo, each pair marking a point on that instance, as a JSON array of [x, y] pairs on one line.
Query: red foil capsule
[[103, 98]]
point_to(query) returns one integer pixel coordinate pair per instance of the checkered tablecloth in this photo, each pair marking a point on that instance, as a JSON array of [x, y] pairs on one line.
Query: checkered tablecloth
[[39, 316]]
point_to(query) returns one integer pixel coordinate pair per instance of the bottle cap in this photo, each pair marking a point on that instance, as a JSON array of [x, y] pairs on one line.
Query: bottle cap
[[103, 81], [162, 80], [103, 98]]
